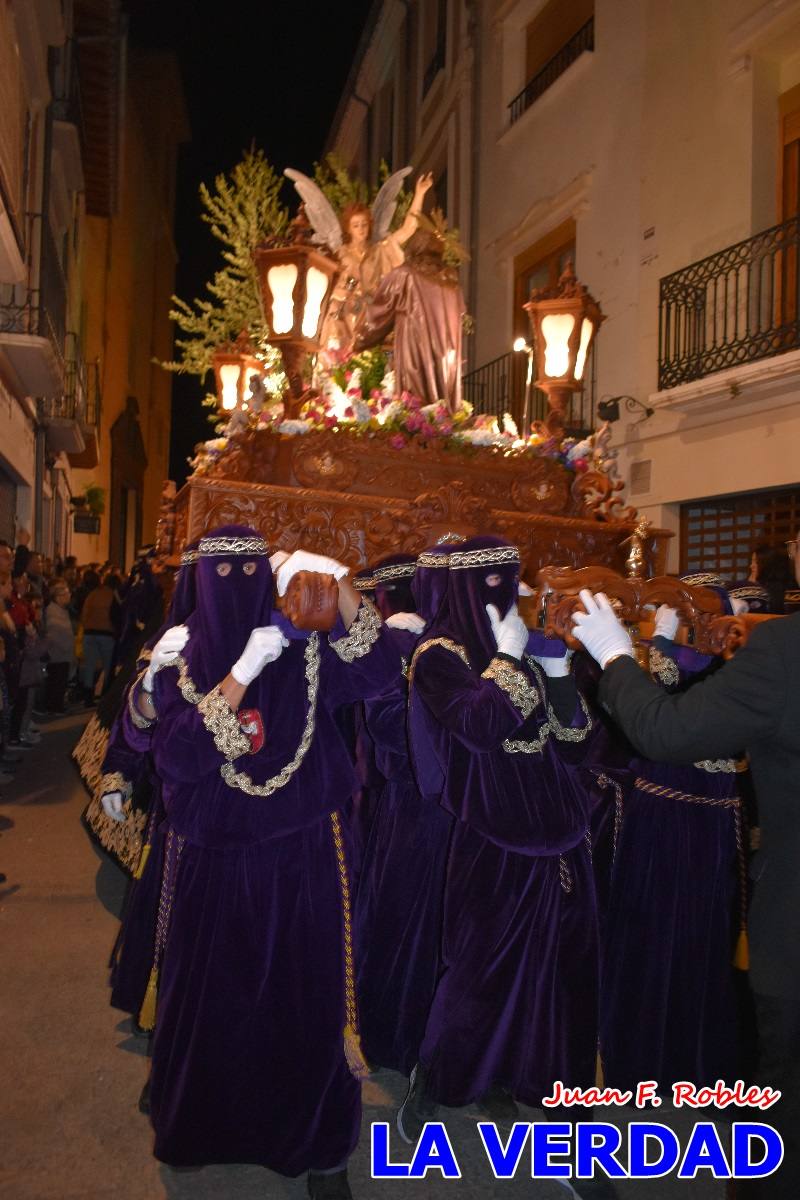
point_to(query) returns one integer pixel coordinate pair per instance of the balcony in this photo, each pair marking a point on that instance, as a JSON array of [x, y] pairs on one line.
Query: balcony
[[735, 307], [68, 119], [33, 318], [64, 416], [499, 386], [577, 45], [89, 421]]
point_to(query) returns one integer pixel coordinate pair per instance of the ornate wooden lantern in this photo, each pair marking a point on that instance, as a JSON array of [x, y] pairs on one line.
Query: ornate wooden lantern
[[564, 320], [235, 365], [296, 284]]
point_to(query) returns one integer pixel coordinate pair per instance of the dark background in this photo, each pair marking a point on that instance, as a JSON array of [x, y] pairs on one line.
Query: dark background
[[270, 74]]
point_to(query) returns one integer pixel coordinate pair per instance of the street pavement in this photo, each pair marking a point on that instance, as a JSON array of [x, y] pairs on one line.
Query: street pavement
[[71, 1071]]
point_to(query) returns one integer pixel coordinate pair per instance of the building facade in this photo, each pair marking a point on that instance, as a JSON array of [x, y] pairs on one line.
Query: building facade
[[87, 258], [658, 147]]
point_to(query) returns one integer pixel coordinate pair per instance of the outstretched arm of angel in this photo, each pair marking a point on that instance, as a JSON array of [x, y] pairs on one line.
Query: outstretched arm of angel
[[421, 187]]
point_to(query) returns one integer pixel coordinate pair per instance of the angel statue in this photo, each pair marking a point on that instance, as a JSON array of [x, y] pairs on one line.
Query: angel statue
[[362, 242]]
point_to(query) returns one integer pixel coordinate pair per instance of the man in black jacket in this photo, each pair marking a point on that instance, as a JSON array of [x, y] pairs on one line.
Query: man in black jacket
[[752, 703]]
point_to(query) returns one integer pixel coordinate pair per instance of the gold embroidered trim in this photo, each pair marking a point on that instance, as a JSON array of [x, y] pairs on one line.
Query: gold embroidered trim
[[446, 643], [404, 665], [90, 753], [115, 781], [362, 634], [490, 556], [522, 694], [450, 537], [240, 779], [225, 545], [363, 583], [515, 746], [124, 838], [188, 557], [664, 667], [140, 721], [221, 721], [429, 559], [717, 765], [394, 571], [186, 684], [566, 733]]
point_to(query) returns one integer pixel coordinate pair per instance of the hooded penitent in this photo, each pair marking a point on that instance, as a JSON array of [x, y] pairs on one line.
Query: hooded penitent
[[393, 577], [429, 586], [483, 570]]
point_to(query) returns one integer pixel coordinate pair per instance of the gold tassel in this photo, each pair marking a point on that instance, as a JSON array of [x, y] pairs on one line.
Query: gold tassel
[[357, 1063], [139, 872], [147, 1013], [741, 959]]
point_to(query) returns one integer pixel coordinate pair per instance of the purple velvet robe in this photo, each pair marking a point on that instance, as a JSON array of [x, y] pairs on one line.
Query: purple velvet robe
[[516, 1004], [248, 1056], [398, 914], [668, 1006]]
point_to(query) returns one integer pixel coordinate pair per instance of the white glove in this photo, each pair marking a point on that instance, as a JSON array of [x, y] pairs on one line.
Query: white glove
[[667, 622], [165, 650], [112, 806], [525, 589], [263, 646], [412, 621], [555, 668], [739, 606], [511, 634], [278, 559], [303, 560], [599, 630]]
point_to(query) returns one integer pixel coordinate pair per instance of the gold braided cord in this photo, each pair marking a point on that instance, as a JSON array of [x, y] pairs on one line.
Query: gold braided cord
[[140, 721], [210, 546], [657, 789], [446, 644], [490, 556], [363, 583], [362, 634], [514, 682], [450, 537], [221, 721], [566, 733], [352, 1042], [664, 667], [394, 571], [240, 779], [188, 557]]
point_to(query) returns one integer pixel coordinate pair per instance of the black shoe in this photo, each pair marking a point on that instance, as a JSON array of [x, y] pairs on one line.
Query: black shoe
[[417, 1108], [497, 1104], [144, 1099], [329, 1187], [22, 744]]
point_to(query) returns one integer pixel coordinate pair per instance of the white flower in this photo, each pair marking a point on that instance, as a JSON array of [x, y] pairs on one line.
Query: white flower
[[294, 426], [362, 412], [510, 425], [391, 412]]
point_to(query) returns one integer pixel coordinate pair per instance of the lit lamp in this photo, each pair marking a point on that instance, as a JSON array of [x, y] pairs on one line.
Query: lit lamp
[[519, 345], [296, 284], [564, 320], [235, 365]]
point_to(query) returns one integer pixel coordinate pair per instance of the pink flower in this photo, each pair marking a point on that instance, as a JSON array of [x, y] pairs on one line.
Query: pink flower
[[580, 464], [329, 422], [348, 412], [445, 427], [414, 421], [428, 430], [397, 441], [410, 401]]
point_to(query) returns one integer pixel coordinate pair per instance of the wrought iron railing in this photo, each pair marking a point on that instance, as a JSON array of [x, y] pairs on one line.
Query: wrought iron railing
[[499, 386], [94, 395], [38, 305], [736, 306], [67, 98], [550, 72]]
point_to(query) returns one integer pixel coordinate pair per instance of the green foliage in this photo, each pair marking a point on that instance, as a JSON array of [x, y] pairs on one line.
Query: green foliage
[[95, 497], [372, 365], [243, 209]]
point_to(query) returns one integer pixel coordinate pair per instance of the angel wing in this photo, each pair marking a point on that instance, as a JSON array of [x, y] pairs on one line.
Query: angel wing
[[385, 202], [324, 221]]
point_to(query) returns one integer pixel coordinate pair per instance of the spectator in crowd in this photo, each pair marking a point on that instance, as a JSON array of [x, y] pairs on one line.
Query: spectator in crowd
[[97, 619], [32, 670], [60, 647]]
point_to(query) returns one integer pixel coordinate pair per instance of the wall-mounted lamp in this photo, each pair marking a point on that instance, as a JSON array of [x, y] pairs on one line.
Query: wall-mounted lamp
[[608, 409]]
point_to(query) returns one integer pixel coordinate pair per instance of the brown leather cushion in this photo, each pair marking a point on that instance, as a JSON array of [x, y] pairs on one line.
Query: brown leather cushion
[[312, 601]]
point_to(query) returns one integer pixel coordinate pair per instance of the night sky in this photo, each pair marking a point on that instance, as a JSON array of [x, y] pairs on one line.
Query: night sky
[[269, 73]]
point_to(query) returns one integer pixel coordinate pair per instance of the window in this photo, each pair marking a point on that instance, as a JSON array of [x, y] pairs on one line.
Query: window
[[434, 32], [721, 534], [554, 39], [540, 266]]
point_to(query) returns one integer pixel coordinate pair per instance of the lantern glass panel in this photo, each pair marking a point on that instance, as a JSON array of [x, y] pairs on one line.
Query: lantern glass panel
[[316, 287], [249, 372], [586, 337], [229, 382], [281, 283], [556, 330]]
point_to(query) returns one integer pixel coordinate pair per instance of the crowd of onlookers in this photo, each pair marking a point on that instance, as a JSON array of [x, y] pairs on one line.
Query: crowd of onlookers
[[59, 628]]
